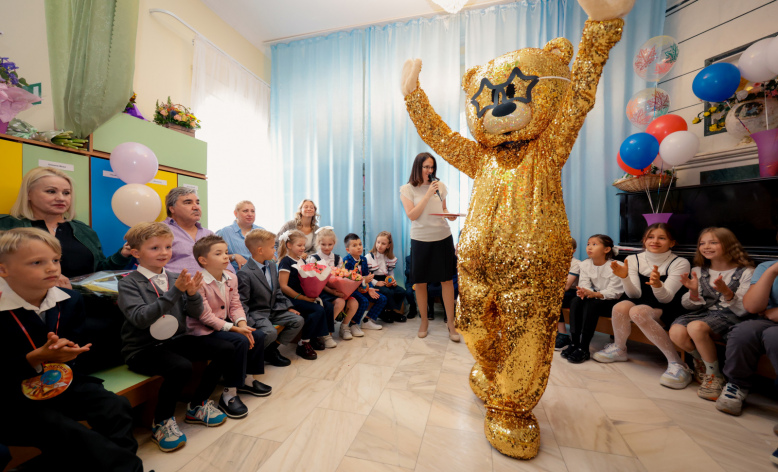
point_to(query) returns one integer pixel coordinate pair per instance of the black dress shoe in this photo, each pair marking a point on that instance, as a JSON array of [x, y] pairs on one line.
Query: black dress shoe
[[400, 318], [578, 356], [257, 388], [430, 316], [275, 358], [317, 344], [233, 408], [306, 351], [387, 317], [411, 314], [567, 351]]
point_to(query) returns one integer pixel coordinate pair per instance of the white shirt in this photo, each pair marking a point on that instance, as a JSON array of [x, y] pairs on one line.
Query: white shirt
[[600, 279], [159, 279], [329, 260], [10, 300], [632, 286], [575, 267], [426, 227], [222, 284], [736, 304], [378, 264]]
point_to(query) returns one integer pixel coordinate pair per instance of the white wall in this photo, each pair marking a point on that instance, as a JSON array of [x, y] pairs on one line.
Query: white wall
[[706, 28]]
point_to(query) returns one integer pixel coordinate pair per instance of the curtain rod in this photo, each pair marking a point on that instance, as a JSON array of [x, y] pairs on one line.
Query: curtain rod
[[271, 42], [166, 12]]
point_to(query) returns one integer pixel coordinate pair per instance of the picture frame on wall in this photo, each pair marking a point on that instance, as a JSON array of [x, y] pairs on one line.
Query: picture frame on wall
[[750, 109]]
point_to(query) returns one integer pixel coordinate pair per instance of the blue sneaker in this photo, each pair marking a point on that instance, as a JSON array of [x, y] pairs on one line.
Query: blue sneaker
[[167, 435], [206, 414]]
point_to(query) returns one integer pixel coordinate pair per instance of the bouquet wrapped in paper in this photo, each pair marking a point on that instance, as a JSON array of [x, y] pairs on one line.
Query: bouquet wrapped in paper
[[100, 284], [345, 281], [313, 277]]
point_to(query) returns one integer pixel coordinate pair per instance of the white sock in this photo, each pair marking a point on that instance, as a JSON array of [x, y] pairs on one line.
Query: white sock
[[229, 393], [712, 368], [303, 341]]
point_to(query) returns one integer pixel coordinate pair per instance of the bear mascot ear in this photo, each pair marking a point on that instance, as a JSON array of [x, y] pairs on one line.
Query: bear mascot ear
[[561, 47], [468, 77]]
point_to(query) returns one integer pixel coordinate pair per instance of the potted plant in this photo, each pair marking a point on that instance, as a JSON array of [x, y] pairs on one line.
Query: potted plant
[[176, 117]]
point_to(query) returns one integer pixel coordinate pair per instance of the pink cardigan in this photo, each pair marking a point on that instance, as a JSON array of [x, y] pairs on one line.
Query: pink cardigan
[[215, 309]]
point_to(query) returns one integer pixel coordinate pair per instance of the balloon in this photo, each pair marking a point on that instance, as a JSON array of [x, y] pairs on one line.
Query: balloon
[[664, 125], [655, 58], [639, 150], [136, 203], [751, 115], [753, 62], [134, 163], [772, 55], [659, 163], [679, 147], [628, 169], [646, 105], [717, 82]]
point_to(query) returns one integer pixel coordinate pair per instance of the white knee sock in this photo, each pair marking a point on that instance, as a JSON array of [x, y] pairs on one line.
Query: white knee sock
[[229, 393]]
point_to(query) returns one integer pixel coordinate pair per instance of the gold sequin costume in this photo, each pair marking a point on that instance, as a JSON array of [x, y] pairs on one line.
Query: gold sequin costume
[[515, 249]]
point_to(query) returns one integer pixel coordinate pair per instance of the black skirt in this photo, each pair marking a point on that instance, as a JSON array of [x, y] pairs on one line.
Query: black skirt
[[433, 261]]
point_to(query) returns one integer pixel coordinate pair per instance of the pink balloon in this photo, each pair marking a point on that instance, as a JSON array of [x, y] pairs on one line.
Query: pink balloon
[[136, 203], [134, 163]]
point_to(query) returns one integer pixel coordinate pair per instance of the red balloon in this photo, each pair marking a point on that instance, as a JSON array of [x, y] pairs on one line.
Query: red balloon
[[666, 124], [629, 169]]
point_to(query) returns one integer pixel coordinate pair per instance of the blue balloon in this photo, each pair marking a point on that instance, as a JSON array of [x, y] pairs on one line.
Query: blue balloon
[[639, 150], [717, 82]]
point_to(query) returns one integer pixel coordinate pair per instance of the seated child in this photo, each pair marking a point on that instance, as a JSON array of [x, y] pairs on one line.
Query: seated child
[[315, 335], [381, 263], [325, 241], [263, 302], [220, 303], [562, 338], [40, 328], [355, 259], [597, 292], [155, 303], [717, 284]]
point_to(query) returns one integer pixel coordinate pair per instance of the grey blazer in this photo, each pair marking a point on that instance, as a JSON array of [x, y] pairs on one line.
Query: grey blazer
[[142, 307], [258, 299]]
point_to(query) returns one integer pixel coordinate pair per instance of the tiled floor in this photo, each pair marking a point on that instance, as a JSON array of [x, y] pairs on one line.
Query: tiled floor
[[391, 402]]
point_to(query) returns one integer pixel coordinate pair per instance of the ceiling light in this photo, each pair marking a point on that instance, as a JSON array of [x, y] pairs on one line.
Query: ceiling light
[[451, 6]]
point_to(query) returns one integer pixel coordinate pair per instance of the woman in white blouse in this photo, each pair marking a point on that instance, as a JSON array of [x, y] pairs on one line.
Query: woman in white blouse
[[652, 281], [597, 292], [717, 284], [432, 247]]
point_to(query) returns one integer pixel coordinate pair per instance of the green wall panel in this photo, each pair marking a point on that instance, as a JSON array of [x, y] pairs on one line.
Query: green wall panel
[[32, 156], [202, 192], [171, 147]]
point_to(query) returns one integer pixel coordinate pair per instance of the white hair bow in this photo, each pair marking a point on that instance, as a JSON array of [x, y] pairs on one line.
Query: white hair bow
[[323, 228], [285, 237]]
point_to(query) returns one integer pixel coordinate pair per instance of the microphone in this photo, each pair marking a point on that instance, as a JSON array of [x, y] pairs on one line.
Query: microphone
[[432, 180]]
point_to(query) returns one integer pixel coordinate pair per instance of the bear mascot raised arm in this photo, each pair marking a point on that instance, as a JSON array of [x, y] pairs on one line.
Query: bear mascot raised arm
[[524, 110]]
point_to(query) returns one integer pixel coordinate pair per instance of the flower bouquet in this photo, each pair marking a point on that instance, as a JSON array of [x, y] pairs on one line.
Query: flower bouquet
[[176, 117], [13, 98], [313, 277], [344, 280]]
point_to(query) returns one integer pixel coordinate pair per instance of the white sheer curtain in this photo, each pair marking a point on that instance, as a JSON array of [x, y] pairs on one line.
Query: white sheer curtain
[[234, 109]]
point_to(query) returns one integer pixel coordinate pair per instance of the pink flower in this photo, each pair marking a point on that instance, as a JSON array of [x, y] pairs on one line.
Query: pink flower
[[177, 117], [14, 100], [163, 112]]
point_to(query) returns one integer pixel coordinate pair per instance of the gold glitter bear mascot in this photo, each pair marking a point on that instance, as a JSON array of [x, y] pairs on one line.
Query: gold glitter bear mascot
[[524, 109]]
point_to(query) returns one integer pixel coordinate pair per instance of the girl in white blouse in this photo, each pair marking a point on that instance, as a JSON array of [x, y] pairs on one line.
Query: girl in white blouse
[[720, 278], [597, 292], [652, 281]]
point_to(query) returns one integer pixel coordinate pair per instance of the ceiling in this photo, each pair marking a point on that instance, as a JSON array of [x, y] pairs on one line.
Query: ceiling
[[265, 20]]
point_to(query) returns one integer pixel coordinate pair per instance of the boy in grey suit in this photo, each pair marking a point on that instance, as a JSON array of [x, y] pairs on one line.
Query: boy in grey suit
[[263, 302]]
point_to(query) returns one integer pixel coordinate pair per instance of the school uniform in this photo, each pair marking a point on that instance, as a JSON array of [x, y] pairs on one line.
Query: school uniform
[[52, 425], [333, 260], [319, 319], [222, 310], [382, 267], [585, 312], [364, 299], [143, 298], [575, 270], [265, 305], [668, 297]]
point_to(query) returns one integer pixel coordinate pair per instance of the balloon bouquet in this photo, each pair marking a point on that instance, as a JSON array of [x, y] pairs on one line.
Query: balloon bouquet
[[718, 82], [136, 165], [665, 141]]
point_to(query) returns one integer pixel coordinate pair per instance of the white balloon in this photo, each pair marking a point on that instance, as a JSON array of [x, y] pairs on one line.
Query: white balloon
[[753, 62], [136, 203], [678, 148], [772, 55]]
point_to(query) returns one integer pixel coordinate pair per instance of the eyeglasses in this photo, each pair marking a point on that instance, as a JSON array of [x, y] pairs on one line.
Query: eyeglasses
[[428, 167]]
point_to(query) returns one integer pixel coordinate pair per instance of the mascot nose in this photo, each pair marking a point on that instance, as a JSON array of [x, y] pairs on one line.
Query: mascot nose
[[504, 109]]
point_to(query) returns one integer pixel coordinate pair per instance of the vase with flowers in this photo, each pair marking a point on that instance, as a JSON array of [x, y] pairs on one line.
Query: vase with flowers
[[13, 98], [176, 117]]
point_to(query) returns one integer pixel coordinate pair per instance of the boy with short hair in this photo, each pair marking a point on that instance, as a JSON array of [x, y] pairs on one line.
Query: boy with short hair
[[155, 304], [354, 259], [223, 318], [263, 302], [40, 326]]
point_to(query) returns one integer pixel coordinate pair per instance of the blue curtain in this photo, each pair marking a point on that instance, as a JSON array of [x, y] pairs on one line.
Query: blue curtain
[[316, 115], [391, 140]]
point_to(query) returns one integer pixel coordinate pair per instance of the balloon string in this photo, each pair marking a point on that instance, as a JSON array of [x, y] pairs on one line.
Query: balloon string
[[766, 115], [667, 194], [744, 125], [648, 193]]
